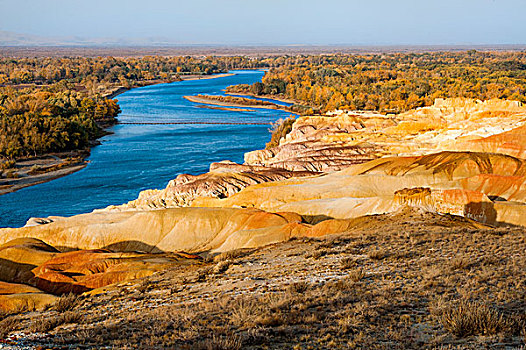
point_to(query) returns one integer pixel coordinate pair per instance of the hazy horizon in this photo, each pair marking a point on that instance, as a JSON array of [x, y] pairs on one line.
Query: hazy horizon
[[288, 22]]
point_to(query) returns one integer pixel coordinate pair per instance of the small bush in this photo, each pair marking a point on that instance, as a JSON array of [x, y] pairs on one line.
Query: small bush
[[377, 255], [356, 275], [7, 325], [467, 318], [348, 263], [231, 342], [280, 129], [67, 302], [298, 287], [460, 263], [317, 254], [43, 324], [232, 254]]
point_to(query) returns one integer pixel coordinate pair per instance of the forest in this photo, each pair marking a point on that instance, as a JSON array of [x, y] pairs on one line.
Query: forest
[[55, 104], [61, 104], [392, 83]]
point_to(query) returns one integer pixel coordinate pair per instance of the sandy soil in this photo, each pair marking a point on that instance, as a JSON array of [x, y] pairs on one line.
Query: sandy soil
[[225, 108], [226, 104], [38, 170], [204, 77]]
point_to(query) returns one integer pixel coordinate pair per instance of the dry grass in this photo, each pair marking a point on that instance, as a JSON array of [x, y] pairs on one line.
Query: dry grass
[[232, 255], [67, 302], [348, 263], [353, 295], [7, 325], [231, 342], [377, 254], [46, 324], [356, 274], [469, 318]]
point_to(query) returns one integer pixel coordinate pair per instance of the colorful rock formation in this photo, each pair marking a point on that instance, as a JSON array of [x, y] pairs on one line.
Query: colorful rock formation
[[459, 157]]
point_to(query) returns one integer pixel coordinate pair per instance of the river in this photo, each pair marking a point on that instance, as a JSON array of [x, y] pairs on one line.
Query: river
[[139, 157]]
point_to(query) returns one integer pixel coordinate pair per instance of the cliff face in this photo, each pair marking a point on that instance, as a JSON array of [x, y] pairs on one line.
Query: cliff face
[[332, 142]]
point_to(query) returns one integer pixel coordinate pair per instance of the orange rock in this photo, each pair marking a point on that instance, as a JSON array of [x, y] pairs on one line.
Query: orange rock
[[19, 256], [511, 142], [18, 297], [84, 270], [498, 187]]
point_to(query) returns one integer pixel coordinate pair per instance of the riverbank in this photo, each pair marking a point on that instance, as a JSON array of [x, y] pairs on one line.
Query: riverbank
[[122, 89], [37, 170], [214, 100], [270, 97]]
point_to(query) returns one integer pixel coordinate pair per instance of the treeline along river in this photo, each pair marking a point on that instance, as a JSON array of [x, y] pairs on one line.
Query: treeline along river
[[143, 156]]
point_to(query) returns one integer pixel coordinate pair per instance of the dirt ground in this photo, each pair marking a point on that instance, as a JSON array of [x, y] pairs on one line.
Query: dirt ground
[[409, 280]]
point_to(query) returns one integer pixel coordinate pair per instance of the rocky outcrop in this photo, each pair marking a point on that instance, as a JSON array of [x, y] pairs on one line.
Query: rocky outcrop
[[16, 297], [33, 272], [323, 144], [371, 188], [85, 270], [168, 230], [339, 139], [224, 179]]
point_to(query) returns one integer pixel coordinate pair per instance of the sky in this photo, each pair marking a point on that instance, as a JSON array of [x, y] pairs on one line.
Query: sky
[[274, 22]]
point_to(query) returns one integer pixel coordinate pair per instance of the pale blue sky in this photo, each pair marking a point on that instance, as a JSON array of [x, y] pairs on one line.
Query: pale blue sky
[[365, 22]]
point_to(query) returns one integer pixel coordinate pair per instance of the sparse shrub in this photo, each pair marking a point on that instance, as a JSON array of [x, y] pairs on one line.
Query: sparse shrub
[[232, 254], [341, 285], [347, 324], [280, 129], [460, 263], [317, 254], [356, 275], [347, 263], [46, 324], [7, 325], [469, 318], [67, 302], [230, 342], [378, 254], [221, 266], [243, 311], [298, 287]]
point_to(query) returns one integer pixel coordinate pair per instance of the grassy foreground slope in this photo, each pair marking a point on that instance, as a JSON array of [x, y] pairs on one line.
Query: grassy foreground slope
[[407, 280]]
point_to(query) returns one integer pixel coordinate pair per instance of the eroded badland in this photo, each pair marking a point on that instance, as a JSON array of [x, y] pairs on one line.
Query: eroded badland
[[358, 230]]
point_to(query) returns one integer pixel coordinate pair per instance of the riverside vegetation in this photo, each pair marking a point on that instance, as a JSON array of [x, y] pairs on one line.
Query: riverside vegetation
[[60, 106], [352, 229]]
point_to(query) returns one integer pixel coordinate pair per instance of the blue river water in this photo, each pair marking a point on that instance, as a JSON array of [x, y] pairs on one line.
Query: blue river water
[[138, 157]]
